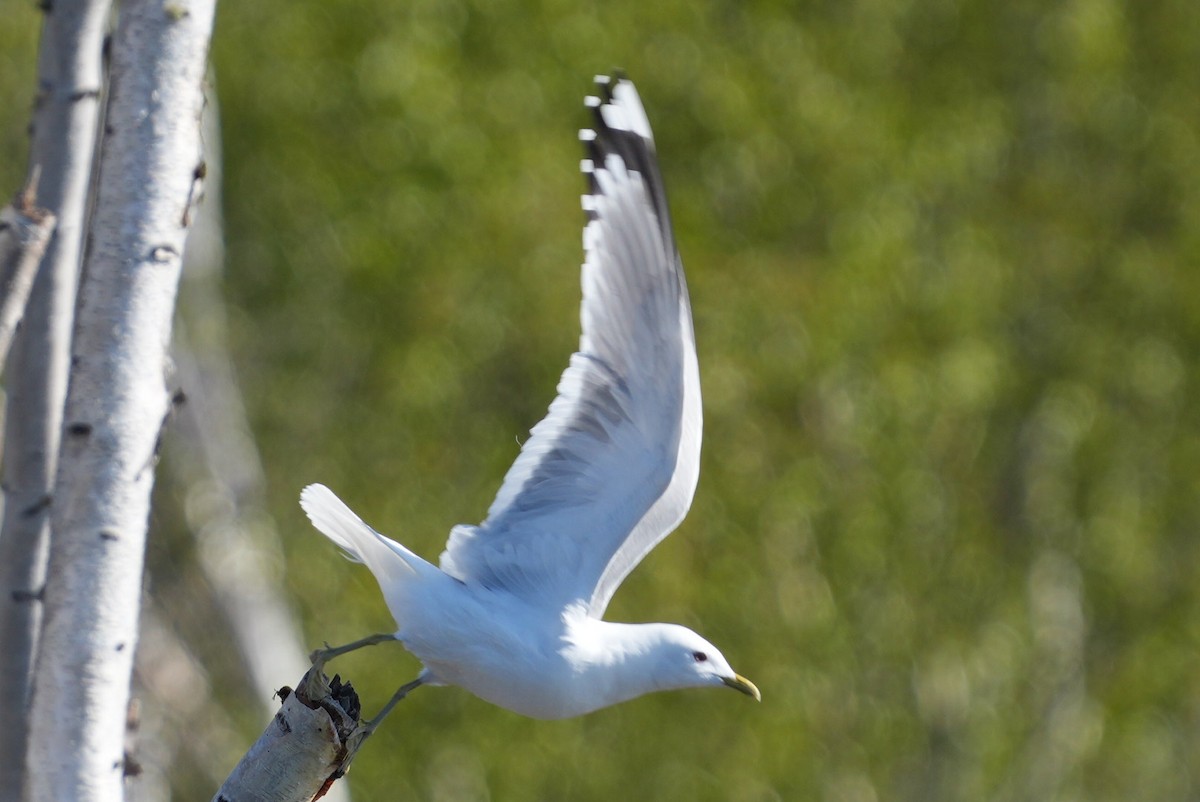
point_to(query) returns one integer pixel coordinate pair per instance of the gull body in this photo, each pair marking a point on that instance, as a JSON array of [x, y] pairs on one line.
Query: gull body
[[513, 612]]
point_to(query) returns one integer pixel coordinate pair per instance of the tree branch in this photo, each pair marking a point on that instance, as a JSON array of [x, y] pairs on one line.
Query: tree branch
[[117, 400], [300, 754], [24, 233]]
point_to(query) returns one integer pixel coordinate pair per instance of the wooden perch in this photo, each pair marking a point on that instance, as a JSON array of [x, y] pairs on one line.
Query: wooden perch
[[303, 750], [24, 233]]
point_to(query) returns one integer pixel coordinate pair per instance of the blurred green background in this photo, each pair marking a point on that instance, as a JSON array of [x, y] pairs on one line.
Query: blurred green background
[[943, 260]]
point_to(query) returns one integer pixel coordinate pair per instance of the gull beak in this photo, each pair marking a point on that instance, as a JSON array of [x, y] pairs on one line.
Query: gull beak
[[740, 683]]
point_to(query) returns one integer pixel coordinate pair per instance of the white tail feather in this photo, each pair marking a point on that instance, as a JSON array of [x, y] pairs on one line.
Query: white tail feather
[[330, 515]]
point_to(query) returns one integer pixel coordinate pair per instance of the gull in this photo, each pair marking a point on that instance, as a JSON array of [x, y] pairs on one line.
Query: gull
[[514, 612]]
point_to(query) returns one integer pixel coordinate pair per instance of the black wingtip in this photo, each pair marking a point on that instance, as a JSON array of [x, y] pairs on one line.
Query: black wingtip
[[619, 124], [620, 128]]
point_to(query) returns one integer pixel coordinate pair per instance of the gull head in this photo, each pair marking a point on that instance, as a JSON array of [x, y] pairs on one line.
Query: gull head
[[679, 658]]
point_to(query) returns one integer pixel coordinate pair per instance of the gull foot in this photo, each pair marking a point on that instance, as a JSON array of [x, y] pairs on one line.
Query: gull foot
[[365, 729]]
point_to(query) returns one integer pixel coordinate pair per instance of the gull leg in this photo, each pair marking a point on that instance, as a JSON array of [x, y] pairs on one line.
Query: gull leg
[[322, 656], [396, 697], [364, 731], [316, 686]]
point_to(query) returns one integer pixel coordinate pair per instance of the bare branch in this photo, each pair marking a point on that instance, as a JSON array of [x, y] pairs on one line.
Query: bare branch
[[24, 233], [117, 400]]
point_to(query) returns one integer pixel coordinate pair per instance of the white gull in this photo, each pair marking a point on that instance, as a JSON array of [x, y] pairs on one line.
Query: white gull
[[513, 614]]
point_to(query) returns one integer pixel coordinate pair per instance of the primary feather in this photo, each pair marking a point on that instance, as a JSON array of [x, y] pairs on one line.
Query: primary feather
[[612, 468]]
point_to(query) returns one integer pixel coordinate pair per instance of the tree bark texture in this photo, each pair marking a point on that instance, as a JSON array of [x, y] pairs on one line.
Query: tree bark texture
[[299, 755], [117, 399], [70, 77]]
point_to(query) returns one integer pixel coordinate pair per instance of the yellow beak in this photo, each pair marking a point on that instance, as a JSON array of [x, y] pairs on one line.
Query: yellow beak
[[740, 683]]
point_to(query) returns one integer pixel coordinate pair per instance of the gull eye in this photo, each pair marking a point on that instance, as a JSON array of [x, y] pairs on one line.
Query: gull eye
[[699, 657]]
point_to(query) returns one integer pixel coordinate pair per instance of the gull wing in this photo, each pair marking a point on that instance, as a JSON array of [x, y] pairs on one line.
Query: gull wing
[[612, 468]]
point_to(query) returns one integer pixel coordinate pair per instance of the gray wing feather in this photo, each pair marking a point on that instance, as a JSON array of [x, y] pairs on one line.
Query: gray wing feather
[[612, 468]]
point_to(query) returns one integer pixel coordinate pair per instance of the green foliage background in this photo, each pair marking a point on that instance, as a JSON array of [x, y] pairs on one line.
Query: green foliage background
[[943, 261]]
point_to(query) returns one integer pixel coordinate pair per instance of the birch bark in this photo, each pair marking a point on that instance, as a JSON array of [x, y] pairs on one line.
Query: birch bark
[[70, 78], [299, 755], [117, 400]]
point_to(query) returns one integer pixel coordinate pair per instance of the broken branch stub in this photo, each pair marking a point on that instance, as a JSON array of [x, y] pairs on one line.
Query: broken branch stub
[[302, 750]]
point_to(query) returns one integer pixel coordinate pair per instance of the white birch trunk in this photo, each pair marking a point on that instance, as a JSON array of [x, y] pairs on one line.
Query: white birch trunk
[[63, 142], [117, 400]]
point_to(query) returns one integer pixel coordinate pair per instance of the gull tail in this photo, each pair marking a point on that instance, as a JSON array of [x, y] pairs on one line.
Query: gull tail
[[387, 559]]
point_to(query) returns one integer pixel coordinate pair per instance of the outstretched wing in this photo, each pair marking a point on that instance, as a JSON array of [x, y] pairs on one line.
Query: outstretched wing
[[612, 468]]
